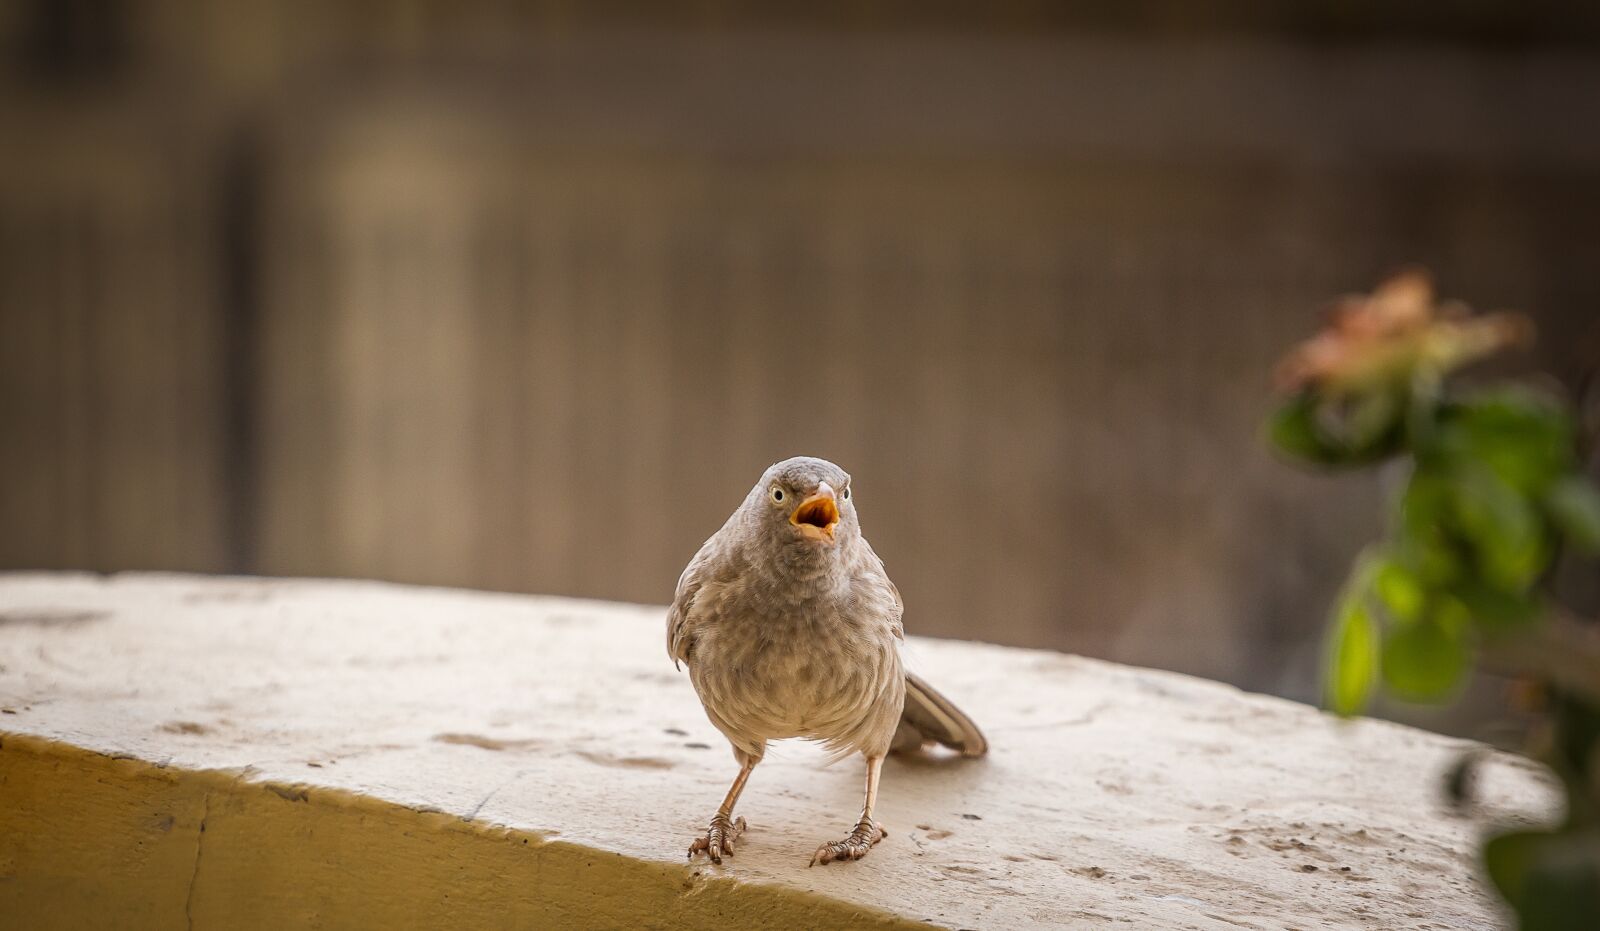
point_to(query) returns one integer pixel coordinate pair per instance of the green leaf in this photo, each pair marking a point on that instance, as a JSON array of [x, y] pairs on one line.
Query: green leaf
[[1426, 514], [1509, 857], [1399, 589], [1574, 506], [1352, 657], [1368, 422], [1338, 433], [1523, 437], [1425, 661], [1495, 610], [1551, 879], [1577, 739], [1502, 527], [1293, 430]]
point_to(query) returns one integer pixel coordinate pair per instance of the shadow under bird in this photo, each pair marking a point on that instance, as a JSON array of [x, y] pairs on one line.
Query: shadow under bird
[[790, 627]]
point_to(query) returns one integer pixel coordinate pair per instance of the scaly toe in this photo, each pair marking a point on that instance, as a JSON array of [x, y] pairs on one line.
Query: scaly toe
[[855, 846], [718, 840]]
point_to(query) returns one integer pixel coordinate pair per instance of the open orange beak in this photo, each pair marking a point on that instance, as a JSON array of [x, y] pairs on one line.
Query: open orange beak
[[817, 515]]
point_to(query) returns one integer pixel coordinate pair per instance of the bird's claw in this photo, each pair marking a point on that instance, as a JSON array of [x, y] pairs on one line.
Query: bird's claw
[[854, 846], [719, 838]]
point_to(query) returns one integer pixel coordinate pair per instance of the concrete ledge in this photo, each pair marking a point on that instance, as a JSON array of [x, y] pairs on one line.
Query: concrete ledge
[[252, 753], [105, 841]]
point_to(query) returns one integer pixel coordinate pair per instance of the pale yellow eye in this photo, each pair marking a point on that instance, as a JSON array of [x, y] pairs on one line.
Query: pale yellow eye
[[777, 494]]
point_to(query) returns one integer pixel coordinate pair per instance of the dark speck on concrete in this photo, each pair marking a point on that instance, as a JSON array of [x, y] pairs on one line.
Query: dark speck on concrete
[[244, 592], [697, 745], [288, 793], [973, 817], [45, 617]]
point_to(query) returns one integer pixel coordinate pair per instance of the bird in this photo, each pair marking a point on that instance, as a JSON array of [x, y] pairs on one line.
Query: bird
[[790, 628]]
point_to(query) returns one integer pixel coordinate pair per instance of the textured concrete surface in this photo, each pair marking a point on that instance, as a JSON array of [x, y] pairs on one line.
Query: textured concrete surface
[[252, 752]]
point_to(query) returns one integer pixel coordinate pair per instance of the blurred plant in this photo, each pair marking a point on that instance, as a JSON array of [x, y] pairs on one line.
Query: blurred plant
[[1493, 494]]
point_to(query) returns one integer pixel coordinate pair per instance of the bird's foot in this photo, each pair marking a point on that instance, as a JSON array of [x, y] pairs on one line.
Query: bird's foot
[[719, 838], [854, 846]]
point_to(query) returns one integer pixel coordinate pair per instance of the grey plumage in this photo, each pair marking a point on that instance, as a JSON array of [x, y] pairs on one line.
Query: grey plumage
[[791, 627]]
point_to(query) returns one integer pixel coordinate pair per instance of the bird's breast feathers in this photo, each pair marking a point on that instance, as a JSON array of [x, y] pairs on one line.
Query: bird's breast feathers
[[811, 667]]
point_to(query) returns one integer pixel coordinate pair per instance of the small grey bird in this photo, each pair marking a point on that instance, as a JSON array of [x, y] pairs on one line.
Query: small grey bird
[[791, 628]]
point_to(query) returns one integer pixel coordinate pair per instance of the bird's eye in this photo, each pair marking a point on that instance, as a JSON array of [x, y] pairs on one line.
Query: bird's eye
[[847, 492], [777, 494]]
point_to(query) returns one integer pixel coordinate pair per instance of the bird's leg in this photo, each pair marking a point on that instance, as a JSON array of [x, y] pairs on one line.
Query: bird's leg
[[723, 831], [867, 832]]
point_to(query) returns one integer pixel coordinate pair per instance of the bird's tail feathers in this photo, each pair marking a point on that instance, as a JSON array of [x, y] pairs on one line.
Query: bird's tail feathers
[[930, 717]]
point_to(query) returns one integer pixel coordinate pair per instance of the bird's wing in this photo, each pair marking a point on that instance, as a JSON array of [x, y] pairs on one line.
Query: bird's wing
[[929, 716], [678, 640], [876, 573], [680, 617], [899, 610]]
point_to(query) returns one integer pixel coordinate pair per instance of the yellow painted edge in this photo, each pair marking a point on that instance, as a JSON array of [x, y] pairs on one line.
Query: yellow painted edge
[[93, 840]]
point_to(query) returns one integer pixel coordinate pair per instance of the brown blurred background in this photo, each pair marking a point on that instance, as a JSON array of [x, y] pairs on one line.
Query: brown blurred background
[[525, 296]]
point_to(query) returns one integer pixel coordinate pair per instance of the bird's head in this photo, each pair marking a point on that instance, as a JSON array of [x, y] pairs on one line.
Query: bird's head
[[805, 502]]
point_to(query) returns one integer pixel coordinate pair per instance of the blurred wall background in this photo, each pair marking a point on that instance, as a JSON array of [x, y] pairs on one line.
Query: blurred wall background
[[525, 296]]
